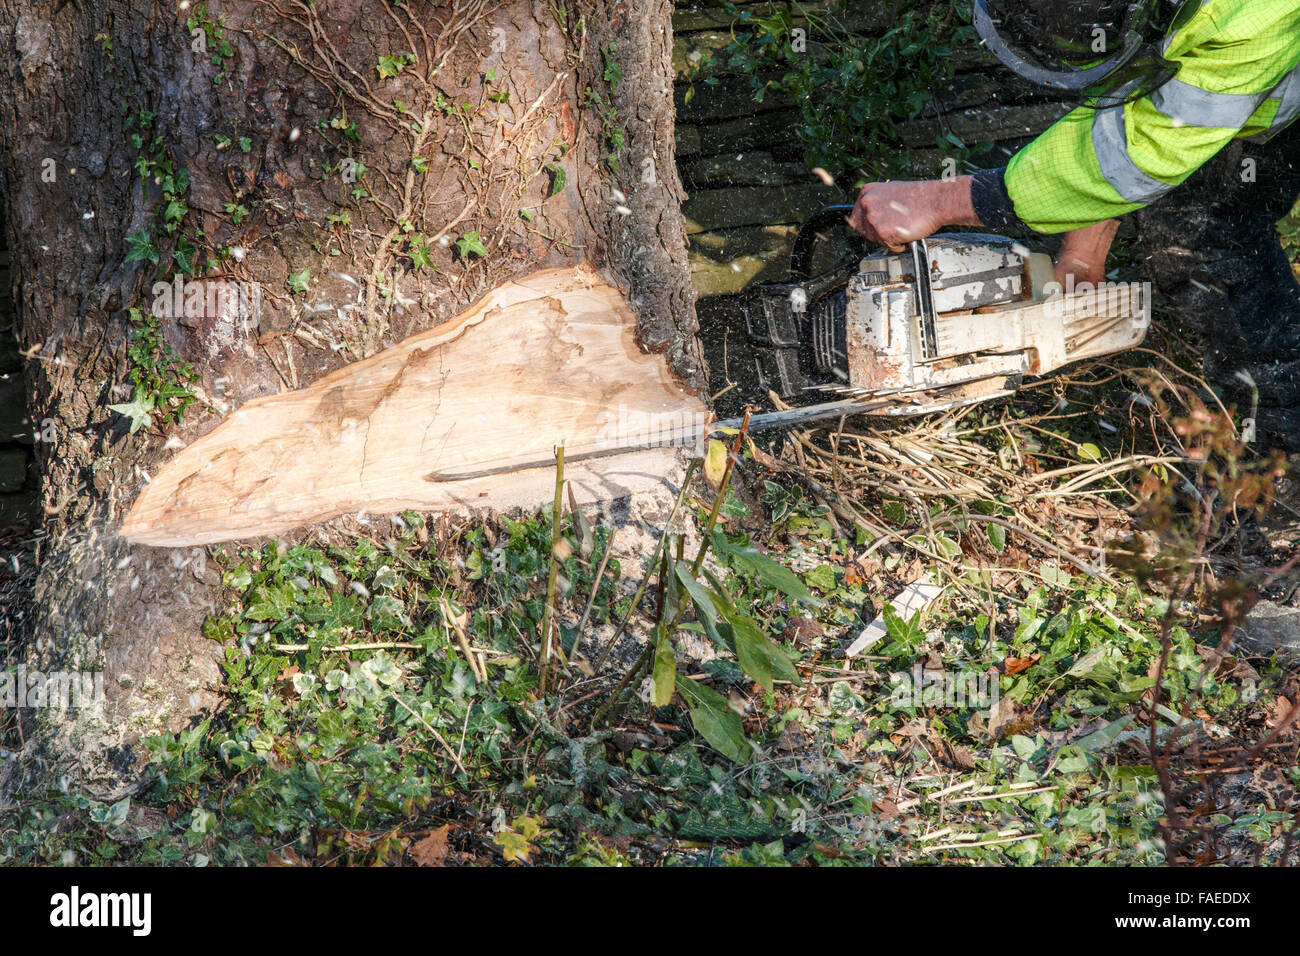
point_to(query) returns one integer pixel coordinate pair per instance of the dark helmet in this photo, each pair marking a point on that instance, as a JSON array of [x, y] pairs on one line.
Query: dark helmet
[[1104, 51]]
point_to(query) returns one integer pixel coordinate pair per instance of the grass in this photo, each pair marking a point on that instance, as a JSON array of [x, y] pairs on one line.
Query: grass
[[383, 701], [382, 706]]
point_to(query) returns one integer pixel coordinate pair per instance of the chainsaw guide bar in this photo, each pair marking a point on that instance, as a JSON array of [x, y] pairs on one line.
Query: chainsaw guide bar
[[896, 405]]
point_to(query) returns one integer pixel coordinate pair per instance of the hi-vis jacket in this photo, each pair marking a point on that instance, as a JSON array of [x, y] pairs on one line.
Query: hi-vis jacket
[[1238, 76]]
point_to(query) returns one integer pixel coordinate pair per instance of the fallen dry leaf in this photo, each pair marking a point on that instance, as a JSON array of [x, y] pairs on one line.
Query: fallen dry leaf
[[285, 857], [1014, 665], [950, 754], [432, 850], [887, 808], [1005, 720]]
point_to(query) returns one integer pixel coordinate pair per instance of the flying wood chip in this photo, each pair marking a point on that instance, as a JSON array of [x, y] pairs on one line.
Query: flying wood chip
[[459, 416]]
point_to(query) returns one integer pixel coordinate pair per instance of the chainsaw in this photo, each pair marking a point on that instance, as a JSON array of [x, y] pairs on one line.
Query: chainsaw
[[955, 319]]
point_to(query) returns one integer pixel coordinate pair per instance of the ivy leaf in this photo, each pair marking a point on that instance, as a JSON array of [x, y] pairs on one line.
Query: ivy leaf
[[419, 254], [471, 244], [390, 66], [184, 256], [175, 211], [297, 281], [514, 846], [822, 577], [141, 248], [139, 410], [269, 602]]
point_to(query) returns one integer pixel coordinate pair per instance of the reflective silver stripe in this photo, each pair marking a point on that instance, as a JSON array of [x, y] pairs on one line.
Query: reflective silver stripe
[[1111, 146], [1193, 106], [1288, 91]]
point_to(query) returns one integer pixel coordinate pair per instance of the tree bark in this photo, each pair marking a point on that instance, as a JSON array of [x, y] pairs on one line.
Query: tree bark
[[319, 144]]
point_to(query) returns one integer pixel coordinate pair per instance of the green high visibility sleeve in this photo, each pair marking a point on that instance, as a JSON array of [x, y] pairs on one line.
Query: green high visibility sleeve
[[1237, 77]]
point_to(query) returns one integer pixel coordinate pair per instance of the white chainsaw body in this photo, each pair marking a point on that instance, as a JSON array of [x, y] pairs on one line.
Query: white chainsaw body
[[973, 311], [956, 318]]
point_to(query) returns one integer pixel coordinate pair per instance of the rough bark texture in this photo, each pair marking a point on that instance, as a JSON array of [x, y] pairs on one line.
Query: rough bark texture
[[449, 148]]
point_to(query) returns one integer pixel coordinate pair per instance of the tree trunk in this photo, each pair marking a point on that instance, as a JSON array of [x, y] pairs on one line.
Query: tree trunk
[[369, 169]]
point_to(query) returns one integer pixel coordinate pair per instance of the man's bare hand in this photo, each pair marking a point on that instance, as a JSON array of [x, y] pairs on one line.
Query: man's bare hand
[[894, 214], [1083, 253]]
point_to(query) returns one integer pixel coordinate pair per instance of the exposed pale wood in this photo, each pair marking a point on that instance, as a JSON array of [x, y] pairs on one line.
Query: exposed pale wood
[[547, 360]]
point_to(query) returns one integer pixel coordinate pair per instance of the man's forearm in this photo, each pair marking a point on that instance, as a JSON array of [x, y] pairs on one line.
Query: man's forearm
[[956, 203], [1083, 253]]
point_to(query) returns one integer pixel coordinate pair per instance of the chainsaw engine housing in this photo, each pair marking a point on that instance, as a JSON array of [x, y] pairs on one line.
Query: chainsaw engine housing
[[959, 316]]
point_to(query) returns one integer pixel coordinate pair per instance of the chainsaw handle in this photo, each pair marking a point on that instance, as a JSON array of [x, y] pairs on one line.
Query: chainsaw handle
[[801, 254]]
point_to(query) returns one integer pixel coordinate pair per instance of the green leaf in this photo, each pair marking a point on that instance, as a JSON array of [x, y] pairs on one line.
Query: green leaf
[[761, 658], [175, 211], [387, 614], [763, 567], [471, 244], [269, 602], [141, 247], [716, 722], [558, 179], [665, 672], [702, 599], [184, 256], [298, 281], [419, 254], [749, 652], [390, 66], [1100, 738], [997, 537], [138, 410], [822, 577], [1089, 452]]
